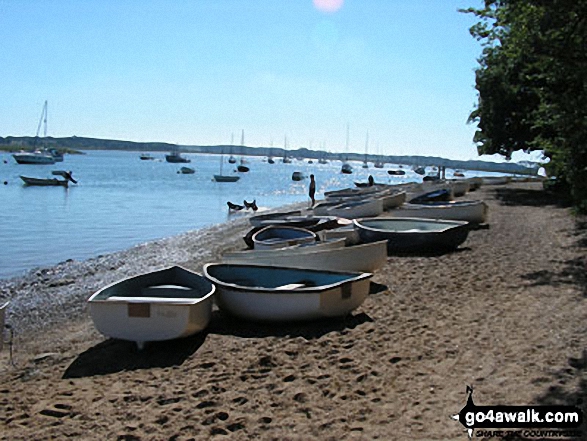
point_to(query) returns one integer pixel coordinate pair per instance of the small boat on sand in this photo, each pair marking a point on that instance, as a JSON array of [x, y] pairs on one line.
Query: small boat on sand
[[460, 186], [360, 258], [160, 305], [406, 235], [272, 293], [440, 194], [347, 232], [279, 237], [251, 254], [256, 220], [369, 207], [495, 180], [474, 212]]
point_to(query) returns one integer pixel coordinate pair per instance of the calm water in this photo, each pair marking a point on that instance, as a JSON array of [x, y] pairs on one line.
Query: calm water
[[121, 201]]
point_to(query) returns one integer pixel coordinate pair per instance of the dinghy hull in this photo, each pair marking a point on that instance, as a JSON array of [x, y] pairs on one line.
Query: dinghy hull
[[442, 236], [161, 305], [277, 294]]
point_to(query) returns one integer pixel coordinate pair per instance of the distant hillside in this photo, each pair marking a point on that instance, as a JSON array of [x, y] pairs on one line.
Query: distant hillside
[[14, 143]]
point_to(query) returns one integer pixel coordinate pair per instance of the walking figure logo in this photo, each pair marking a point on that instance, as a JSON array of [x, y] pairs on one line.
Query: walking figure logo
[[469, 407]]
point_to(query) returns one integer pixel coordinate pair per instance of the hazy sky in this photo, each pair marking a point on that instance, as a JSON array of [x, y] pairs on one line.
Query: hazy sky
[[198, 71]]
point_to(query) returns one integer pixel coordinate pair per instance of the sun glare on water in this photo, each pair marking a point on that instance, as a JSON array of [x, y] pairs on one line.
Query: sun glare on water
[[328, 5]]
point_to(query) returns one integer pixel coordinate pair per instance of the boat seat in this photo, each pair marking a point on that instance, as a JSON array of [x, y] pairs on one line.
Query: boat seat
[[136, 299], [291, 286]]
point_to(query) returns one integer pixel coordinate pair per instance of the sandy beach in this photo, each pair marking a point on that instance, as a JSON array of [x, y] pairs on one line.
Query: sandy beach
[[506, 314]]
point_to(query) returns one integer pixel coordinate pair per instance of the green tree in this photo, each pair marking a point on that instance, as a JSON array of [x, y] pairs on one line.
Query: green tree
[[532, 84]]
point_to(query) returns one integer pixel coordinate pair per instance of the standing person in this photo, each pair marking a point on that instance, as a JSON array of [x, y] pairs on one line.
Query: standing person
[[312, 191], [371, 181]]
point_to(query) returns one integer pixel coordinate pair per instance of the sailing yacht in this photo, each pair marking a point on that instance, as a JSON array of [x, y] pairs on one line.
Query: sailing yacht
[[346, 167], [225, 178], [39, 156], [365, 165], [285, 159]]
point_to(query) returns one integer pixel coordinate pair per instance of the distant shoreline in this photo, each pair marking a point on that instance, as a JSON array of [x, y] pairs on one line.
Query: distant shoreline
[[76, 143]]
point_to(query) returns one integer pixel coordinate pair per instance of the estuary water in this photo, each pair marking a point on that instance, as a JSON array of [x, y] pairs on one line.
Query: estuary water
[[122, 201]]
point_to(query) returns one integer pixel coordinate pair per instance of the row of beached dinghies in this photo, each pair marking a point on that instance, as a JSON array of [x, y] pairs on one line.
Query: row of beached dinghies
[[298, 266]]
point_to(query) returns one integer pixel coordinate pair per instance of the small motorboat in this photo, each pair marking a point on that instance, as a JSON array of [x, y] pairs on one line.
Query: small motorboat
[[186, 171], [242, 168], [396, 172], [297, 176], [333, 256], [273, 293], [176, 158], [160, 305], [407, 235], [279, 237], [474, 212], [146, 157], [346, 169], [50, 182], [226, 178]]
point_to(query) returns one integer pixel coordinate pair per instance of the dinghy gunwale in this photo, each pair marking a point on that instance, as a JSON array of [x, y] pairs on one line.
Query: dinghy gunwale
[[356, 276], [95, 298], [358, 223]]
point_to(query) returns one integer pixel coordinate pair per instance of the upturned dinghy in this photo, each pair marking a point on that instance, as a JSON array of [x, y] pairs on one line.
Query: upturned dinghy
[[160, 305], [405, 235], [270, 293], [279, 237]]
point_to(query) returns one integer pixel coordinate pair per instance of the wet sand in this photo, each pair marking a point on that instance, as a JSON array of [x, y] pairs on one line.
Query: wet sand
[[506, 314]]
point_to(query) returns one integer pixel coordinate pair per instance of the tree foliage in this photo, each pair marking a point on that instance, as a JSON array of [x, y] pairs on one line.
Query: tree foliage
[[532, 84]]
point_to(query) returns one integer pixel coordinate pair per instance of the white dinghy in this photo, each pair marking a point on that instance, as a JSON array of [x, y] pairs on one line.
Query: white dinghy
[[474, 212], [160, 305], [360, 258], [270, 293], [285, 251], [279, 237]]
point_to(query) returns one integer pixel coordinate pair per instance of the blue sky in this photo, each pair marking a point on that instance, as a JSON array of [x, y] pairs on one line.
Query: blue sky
[[198, 71]]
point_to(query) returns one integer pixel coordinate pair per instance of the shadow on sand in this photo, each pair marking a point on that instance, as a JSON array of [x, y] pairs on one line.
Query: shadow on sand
[[573, 272], [559, 395], [531, 197], [225, 324], [113, 356]]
